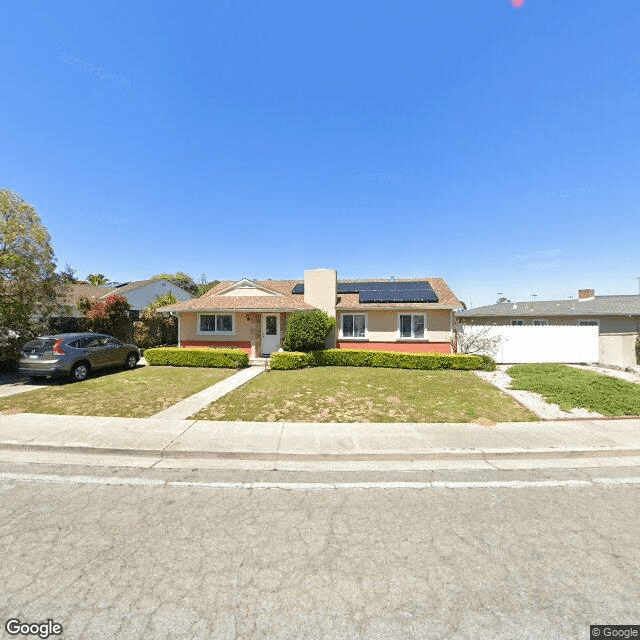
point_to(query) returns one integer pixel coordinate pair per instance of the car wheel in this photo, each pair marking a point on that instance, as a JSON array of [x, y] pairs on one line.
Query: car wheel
[[80, 371], [131, 361]]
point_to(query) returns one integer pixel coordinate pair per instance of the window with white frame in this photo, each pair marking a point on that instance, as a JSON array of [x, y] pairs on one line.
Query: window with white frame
[[589, 323], [215, 323], [412, 326], [354, 325], [517, 323], [540, 323]]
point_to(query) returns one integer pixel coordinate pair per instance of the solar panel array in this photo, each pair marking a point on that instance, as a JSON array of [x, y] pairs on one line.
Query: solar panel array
[[385, 291]]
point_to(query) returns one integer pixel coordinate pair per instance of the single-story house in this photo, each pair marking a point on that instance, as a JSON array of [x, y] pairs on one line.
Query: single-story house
[[617, 319], [395, 314], [139, 295]]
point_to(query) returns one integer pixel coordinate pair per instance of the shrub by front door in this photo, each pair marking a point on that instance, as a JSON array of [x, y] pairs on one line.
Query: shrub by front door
[[270, 332]]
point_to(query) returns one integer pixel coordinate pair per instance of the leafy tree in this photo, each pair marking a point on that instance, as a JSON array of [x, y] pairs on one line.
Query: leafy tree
[[31, 291], [180, 279], [110, 315], [307, 330], [155, 328], [186, 282], [205, 285], [97, 279]]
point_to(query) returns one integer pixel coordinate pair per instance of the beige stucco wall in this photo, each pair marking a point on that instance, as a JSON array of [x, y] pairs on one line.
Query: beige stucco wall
[[189, 323], [382, 326]]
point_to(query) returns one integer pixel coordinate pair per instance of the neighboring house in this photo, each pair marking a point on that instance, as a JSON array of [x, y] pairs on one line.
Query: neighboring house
[[138, 294], [617, 319], [398, 315]]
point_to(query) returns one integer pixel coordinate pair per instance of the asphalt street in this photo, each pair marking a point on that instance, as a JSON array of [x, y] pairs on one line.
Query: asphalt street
[[120, 553]]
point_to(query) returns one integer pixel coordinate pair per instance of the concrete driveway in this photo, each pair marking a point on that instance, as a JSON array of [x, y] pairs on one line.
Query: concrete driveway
[[12, 383]]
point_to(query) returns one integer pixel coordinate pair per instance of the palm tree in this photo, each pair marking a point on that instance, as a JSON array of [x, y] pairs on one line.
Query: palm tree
[[97, 279]]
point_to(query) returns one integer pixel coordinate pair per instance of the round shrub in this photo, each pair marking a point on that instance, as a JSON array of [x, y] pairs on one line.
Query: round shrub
[[307, 330]]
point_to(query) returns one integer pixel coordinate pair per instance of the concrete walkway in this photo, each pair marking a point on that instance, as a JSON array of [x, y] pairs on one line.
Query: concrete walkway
[[191, 405], [163, 442]]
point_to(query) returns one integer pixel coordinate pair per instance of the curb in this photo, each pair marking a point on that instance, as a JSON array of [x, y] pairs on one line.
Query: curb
[[435, 455]]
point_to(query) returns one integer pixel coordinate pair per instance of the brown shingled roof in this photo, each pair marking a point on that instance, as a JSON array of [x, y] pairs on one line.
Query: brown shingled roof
[[84, 290], [212, 301], [287, 301]]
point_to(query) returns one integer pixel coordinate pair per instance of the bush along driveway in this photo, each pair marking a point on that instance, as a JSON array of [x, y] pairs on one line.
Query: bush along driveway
[[354, 394], [133, 394]]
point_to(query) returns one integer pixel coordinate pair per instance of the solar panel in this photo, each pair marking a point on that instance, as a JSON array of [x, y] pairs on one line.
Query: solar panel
[[416, 294], [385, 291]]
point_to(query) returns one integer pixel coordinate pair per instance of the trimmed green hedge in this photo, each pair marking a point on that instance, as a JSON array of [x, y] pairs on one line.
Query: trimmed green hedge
[[185, 357], [391, 359], [488, 363], [290, 360]]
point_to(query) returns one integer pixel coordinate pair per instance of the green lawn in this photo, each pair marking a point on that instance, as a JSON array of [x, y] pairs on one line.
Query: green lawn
[[569, 388], [354, 394], [133, 394]]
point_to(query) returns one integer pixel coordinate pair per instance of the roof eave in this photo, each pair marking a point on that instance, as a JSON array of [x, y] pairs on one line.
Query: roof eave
[[397, 307], [236, 310]]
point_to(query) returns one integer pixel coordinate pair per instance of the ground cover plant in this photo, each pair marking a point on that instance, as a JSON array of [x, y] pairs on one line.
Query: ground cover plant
[[355, 394], [570, 387], [132, 394]]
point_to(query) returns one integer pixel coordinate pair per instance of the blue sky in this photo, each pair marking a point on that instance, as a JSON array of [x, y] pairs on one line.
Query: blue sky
[[497, 147]]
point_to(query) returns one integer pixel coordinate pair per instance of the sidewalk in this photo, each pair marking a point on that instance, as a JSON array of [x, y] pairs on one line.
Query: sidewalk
[[170, 439]]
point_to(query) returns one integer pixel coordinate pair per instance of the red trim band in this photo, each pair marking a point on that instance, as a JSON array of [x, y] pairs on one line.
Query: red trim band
[[406, 347]]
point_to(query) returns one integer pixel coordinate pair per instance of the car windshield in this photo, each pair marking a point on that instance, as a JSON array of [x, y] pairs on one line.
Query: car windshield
[[39, 345]]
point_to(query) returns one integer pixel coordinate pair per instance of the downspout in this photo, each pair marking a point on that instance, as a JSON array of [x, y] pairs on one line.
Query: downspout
[[454, 341]]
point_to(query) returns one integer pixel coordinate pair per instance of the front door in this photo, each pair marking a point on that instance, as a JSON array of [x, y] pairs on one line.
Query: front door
[[270, 332]]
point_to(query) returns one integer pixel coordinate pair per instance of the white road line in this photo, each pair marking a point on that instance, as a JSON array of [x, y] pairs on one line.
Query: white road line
[[315, 486]]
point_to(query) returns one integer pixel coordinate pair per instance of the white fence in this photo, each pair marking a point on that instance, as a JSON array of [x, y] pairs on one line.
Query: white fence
[[548, 343]]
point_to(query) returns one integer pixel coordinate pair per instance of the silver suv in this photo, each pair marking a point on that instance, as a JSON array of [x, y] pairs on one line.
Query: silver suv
[[75, 355]]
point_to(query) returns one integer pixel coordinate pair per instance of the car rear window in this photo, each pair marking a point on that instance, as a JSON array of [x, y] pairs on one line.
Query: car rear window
[[39, 345]]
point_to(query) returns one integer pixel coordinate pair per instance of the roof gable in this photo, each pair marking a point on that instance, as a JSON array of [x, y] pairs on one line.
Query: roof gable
[[246, 287]]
